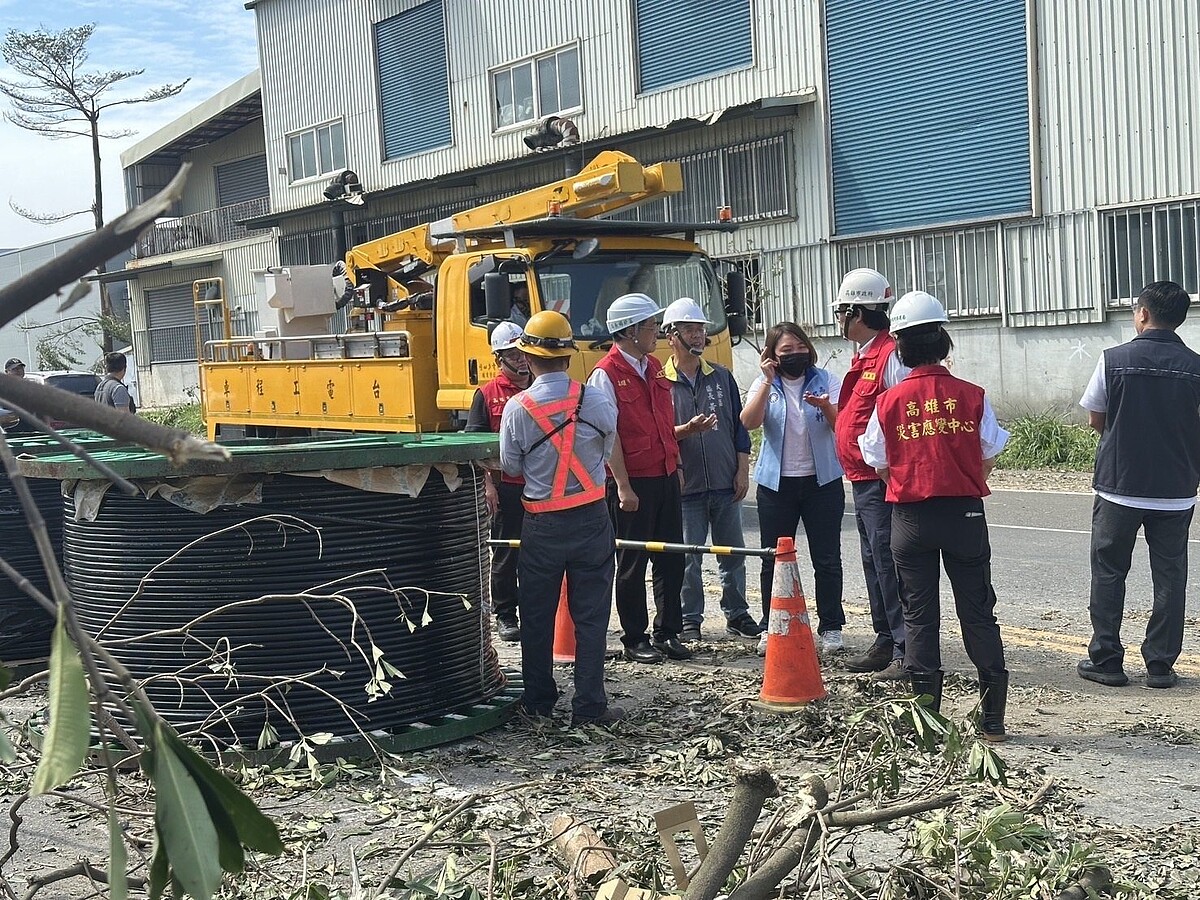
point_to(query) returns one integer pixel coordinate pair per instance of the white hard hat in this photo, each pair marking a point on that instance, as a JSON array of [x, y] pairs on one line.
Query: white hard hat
[[629, 309], [917, 308], [863, 287], [685, 309], [505, 336]]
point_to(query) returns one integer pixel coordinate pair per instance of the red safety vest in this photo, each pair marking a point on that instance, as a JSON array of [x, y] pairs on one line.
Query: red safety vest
[[930, 423], [860, 389], [563, 441], [496, 394], [645, 416]]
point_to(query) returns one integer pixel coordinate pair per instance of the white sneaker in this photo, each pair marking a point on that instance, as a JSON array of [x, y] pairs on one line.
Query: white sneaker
[[762, 644], [831, 642]]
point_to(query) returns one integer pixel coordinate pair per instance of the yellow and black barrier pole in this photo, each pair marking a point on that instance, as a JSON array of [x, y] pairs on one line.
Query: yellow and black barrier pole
[[663, 547]]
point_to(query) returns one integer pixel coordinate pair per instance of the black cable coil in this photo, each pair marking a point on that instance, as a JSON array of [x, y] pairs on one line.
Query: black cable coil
[[25, 626], [287, 654]]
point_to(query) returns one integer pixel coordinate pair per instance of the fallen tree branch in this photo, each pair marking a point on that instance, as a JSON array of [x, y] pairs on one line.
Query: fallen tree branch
[[750, 791], [28, 418], [54, 403], [583, 850], [797, 852], [1091, 882], [83, 867], [420, 842]]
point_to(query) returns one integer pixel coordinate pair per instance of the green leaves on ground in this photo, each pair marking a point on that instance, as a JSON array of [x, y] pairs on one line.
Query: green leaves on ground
[[70, 725], [201, 818], [118, 859]]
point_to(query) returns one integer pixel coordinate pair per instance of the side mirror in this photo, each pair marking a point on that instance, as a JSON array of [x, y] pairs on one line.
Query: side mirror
[[497, 295], [735, 303]]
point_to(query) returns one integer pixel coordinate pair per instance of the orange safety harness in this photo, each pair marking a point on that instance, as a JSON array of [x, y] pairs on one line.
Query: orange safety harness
[[562, 438]]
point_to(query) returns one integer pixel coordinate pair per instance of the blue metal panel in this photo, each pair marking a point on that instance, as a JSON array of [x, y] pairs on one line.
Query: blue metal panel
[[414, 85], [929, 114], [682, 39]]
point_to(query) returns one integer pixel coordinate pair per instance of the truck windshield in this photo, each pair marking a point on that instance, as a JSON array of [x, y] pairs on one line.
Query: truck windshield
[[583, 289]]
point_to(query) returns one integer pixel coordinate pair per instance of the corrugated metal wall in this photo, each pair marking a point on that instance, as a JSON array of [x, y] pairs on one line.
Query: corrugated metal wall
[[1120, 101], [306, 79], [200, 193]]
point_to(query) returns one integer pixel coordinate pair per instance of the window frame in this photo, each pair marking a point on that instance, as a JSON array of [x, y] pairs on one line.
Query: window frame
[[315, 132], [533, 61]]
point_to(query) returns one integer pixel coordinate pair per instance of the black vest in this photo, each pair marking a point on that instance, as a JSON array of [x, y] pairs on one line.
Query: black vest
[[1151, 441]]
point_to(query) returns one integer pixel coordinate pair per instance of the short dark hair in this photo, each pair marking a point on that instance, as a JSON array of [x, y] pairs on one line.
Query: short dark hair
[[923, 345], [876, 317], [777, 333], [549, 363], [114, 362], [1166, 302]]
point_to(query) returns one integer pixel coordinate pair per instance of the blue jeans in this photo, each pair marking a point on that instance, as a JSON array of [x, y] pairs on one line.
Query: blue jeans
[[719, 510]]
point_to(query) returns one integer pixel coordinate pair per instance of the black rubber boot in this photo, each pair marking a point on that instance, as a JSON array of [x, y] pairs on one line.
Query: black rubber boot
[[993, 694], [928, 683]]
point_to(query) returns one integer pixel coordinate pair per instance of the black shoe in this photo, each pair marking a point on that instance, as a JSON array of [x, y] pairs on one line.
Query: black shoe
[[878, 658], [1089, 670], [672, 649], [993, 698], [642, 652], [743, 626], [690, 634], [1167, 679], [508, 630], [610, 716]]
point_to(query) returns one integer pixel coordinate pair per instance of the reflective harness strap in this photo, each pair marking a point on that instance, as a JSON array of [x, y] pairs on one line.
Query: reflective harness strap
[[562, 438]]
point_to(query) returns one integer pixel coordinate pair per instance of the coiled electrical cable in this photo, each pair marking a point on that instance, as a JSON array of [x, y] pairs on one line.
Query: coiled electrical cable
[[323, 609], [25, 626]]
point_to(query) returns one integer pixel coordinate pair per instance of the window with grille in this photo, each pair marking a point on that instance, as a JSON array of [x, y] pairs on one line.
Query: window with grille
[[533, 88], [1152, 243], [751, 178], [961, 267]]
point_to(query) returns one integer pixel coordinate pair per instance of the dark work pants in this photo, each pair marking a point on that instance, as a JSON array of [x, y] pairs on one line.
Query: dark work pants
[[873, 515], [1114, 528], [951, 531], [659, 517], [576, 543], [820, 508], [506, 525]]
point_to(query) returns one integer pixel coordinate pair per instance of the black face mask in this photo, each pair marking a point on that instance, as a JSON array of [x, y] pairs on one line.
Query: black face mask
[[793, 365]]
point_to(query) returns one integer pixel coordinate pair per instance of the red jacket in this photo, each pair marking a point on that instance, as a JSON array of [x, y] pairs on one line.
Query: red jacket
[[496, 394], [930, 423], [860, 390], [645, 416]]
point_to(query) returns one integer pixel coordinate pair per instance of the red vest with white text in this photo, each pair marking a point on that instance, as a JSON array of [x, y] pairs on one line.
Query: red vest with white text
[[860, 390], [930, 423], [645, 416], [496, 394]]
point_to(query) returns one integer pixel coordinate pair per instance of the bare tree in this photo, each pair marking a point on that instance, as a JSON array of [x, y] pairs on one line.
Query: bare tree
[[55, 96]]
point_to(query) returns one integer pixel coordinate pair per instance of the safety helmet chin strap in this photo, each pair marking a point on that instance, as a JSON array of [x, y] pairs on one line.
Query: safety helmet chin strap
[[504, 363]]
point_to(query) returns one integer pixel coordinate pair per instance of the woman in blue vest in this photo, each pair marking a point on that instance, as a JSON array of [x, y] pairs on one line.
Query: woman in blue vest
[[798, 475]]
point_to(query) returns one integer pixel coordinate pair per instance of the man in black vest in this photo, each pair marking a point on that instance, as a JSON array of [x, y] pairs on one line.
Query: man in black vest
[[1144, 400]]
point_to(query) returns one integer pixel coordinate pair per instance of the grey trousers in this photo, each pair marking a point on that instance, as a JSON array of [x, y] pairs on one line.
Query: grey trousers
[[1114, 529], [873, 514], [576, 543]]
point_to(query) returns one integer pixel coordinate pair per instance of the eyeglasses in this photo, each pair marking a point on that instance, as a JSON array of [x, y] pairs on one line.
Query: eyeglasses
[[843, 311], [512, 354]]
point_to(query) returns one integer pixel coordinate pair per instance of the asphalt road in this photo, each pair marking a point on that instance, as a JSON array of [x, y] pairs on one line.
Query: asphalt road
[[1041, 573]]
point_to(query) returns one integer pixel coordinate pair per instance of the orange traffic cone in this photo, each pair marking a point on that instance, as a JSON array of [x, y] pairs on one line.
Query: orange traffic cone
[[791, 673], [564, 630]]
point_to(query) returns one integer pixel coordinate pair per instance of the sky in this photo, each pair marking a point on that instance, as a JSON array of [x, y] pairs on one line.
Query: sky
[[212, 42]]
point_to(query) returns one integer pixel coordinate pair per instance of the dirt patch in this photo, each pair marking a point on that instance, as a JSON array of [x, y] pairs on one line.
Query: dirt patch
[[1040, 480]]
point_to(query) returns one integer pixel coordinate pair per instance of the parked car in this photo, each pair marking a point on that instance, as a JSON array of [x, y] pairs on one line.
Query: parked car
[[81, 383]]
